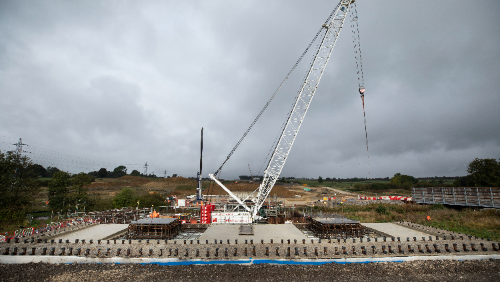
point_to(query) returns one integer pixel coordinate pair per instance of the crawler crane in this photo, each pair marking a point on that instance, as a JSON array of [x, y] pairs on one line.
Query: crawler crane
[[328, 36]]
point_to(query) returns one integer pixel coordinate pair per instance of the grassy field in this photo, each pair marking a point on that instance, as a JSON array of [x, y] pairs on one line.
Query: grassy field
[[349, 187], [44, 178]]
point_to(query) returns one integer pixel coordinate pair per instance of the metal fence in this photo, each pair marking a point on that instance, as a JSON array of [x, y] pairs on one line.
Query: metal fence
[[460, 196]]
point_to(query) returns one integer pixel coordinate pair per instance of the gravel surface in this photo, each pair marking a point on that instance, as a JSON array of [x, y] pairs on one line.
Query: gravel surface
[[486, 270]]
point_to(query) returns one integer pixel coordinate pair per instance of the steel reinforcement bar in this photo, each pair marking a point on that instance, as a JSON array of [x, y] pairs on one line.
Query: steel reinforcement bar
[[336, 230]]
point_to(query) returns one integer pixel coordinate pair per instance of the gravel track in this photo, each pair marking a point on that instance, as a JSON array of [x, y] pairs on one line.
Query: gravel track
[[486, 270]]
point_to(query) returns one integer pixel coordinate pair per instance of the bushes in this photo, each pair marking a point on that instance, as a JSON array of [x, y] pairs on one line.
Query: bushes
[[43, 183], [438, 207], [148, 200], [359, 187], [379, 186], [129, 198], [98, 203], [126, 198], [381, 210]]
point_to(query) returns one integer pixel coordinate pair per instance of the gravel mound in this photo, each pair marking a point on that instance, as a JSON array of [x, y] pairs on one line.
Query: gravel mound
[[486, 270]]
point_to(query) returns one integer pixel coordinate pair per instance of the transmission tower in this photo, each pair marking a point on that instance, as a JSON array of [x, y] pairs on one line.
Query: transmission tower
[[146, 169], [19, 146]]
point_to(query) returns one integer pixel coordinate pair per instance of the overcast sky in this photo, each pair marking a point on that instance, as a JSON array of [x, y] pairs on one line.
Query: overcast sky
[[91, 84]]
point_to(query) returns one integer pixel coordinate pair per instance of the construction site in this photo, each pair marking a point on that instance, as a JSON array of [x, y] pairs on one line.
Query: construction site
[[211, 234], [263, 220]]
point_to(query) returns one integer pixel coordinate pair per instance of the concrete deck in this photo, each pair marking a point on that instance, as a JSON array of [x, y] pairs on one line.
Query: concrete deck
[[96, 232], [264, 232], [395, 230]]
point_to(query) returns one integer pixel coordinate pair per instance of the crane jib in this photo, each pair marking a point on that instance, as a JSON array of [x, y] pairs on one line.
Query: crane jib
[[330, 31], [302, 103]]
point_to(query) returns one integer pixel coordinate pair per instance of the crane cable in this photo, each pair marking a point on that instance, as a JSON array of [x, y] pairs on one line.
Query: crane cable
[[359, 67], [274, 94], [218, 172]]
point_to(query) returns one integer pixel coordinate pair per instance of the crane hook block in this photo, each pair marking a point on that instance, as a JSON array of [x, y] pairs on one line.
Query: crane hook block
[[361, 90]]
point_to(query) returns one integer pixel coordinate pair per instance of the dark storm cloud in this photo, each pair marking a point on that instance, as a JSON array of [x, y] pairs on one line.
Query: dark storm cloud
[[130, 82]]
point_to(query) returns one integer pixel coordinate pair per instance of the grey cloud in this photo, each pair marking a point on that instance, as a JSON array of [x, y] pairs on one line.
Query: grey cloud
[[136, 81]]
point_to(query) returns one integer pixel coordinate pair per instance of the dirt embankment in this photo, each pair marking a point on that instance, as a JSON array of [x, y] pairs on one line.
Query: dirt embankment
[[180, 186], [245, 187], [173, 183]]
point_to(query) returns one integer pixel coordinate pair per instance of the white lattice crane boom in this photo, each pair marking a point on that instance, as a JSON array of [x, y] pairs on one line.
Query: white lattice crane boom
[[300, 107]]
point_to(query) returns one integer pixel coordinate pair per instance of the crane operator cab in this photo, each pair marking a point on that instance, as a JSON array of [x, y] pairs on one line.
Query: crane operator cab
[[362, 91]]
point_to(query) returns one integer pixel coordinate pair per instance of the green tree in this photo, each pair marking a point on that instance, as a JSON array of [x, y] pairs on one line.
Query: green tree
[[466, 181], [79, 187], [38, 170], [51, 170], [58, 190], [125, 198], [148, 200], [135, 173], [320, 179], [18, 185], [403, 181], [102, 173], [484, 172], [120, 171]]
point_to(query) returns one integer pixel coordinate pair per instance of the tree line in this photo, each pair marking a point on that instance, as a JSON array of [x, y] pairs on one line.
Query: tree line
[[481, 173], [20, 183], [119, 171]]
